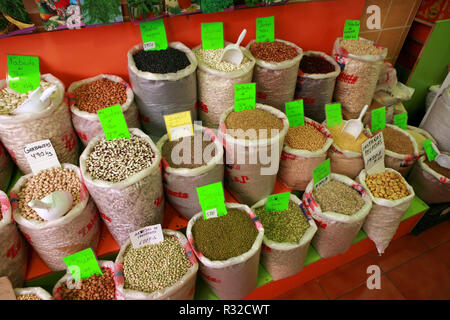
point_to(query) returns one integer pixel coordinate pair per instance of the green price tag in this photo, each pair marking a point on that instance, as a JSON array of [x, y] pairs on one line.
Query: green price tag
[[278, 202], [321, 174], [334, 114], [212, 200], [401, 120], [429, 150], [244, 96], [212, 35], [23, 73], [351, 29], [113, 123], [82, 264], [265, 29], [154, 35], [378, 119], [295, 113]]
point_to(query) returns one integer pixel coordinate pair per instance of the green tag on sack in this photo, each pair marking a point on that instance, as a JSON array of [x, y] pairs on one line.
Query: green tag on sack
[[212, 200], [378, 119], [244, 96], [295, 113], [278, 202], [23, 73], [113, 123], [351, 29], [153, 35], [429, 150], [401, 120], [82, 264], [265, 29], [321, 174], [334, 114], [212, 35]]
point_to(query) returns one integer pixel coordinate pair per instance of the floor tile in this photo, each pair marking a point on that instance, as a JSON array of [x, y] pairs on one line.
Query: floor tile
[[443, 252], [437, 234], [308, 291], [387, 291], [424, 277]]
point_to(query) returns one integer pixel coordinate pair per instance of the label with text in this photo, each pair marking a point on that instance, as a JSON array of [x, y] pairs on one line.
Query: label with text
[[351, 29], [113, 123], [401, 120], [179, 125], [430, 150], [373, 154], [82, 264], [146, 236], [265, 29], [278, 202], [295, 113], [378, 119], [41, 155], [212, 200], [153, 35], [23, 73], [333, 114], [212, 35], [244, 96], [321, 174]]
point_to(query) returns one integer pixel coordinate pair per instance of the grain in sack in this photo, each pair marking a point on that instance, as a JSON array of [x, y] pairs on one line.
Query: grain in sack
[[32, 293], [6, 168], [53, 240], [53, 123], [96, 93]]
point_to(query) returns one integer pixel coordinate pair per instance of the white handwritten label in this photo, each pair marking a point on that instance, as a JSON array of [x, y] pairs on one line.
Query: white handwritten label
[[181, 131], [147, 236], [211, 213], [373, 153], [41, 155], [149, 45]]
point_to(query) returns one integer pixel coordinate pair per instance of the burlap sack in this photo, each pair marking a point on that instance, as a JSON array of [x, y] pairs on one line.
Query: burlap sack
[[283, 260], [276, 81], [437, 122], [385, 216], [336, 231], [52, 123], [77, 230], [131, 204], [296, 166], [71, 283], [236, 277], [423, 133], [180, 184], [159, 94], [356, 84], [429, 185], [216, 89], [181, 290], [86, 124], [251, 182], [6, 169], [38, 291], [316, 89], [13, 249]]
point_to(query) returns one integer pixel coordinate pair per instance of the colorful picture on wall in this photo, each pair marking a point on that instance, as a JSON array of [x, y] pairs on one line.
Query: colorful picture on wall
[[145, 10], [209, 6], [101, 12], [274, 2], [60, 14], [180, 7], [241, 4], [14, 19]]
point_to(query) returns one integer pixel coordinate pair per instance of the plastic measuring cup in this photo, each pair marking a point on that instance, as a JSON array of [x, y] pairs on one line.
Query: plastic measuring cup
[[52, 206], [355, 126], [232, 53]]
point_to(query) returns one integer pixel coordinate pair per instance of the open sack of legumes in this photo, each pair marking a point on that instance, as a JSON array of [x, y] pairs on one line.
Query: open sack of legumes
[[305, 147], [88, 96], [32, 293], [315, 83], [163, 271], [164, 82], [228, 248], [216, 80], [96, 287], [13, 249], [430, 181], [6, 168], [189, 163], [275, 72], [123, 177], [253, 140], [339, 208], [361, 62], [55, 237], [53, 122], [287, 235], [420, 136], [391, 196]]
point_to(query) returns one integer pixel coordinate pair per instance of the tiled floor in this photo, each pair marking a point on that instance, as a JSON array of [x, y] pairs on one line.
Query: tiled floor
[[413, 267]]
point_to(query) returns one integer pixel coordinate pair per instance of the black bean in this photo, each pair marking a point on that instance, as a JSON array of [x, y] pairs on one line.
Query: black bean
[[161, 61]]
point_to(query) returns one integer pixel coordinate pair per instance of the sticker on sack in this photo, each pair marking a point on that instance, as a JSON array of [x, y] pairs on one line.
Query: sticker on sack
[[373, 154], [212, 200], [82, 264], [41, 155], [147, 236], [179, 125]]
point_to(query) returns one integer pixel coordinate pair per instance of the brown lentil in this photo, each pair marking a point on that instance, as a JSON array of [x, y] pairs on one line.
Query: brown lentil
[[44, 183], [211, 58], [336, 196], [345, 140], [252, 119], [387, 185], [188, 143], [305, 138], [100, 94], [276, 51], [96, 287], [10, 100], [360, 47], [28, 297], [436, 167], [396, 141], [315, 64]]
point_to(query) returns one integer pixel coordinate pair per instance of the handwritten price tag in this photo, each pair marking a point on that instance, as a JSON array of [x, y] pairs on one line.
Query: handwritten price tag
[[401, 120], [351, 29], [333, 114], [113, 123], [23, 73], [212, 200], [179, 125], [265, 29], [373, 154], [153, 35], [82, 264], [278, 202], [295, 113], [321, 174], [430, 150], [147, 236], [244, 96], [212, 35], [41, 155], [378, 119]]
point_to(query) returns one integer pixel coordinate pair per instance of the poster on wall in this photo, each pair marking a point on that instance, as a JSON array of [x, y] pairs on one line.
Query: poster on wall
[[101, 12], [145, 10], [60, 14], [14, 19], [181, 7]]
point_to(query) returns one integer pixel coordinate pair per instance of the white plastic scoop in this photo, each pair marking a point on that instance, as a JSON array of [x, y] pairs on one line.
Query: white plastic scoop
[[442, 159], [53, 206], [232, 53], [355, 126], [37, 101]]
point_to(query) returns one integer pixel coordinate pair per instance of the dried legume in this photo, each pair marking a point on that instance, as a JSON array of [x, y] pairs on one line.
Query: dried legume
[[396, 141], [10, 100], [305, 138], [345, 140], [188, 143], [436, 167], [161, 61], [28, 297], [252, 119], [276, 51], [387, 185], [315, 64], [211, 58], [100, 94], [360, 47], [336, 196], [96, 287]]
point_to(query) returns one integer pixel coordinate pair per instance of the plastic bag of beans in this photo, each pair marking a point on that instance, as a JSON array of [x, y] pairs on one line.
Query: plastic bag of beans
[[159, 94], [35, 292], [180, 184], [69, 282], [53, 240], [356, 84], [276, 81], [183, 289], [87, 124], [52, 123], [216, 88], [245, 181], [437, 122], [283, 260], [420, 136], [130, 204], [297, 165], [428, 184], [336, 231], [13, 249], [6, 168], [236, 277], [385, 216], [316, 89]]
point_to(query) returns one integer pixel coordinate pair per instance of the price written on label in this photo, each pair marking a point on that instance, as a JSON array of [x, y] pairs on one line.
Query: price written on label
[[351, 29], [295, 113], [378, 119], [244, 96], [212, 35], [278, 202], [147, 236], [401, 120], [23, 73], [212, 200], [153, 35], [41, 155], [113, 123], [179, 125], [82, 264], [334, 114], [321, 174], [373, 154], [430, 150], [265, 29]]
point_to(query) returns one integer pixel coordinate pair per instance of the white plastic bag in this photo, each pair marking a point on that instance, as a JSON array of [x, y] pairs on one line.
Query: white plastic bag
[[37, 291], [438, 122], [6, 169]]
